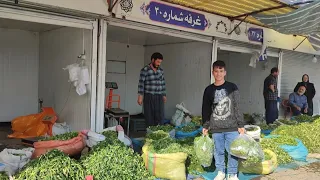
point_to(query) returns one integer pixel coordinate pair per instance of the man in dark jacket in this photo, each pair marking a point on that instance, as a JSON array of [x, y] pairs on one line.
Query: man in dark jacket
[[310, 92], [221, 115], [270, 94]]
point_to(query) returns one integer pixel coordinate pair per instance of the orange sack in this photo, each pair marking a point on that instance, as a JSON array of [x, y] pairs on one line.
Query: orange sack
[[70, 147]]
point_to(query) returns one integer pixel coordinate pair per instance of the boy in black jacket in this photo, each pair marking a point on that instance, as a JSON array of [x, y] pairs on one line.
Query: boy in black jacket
[[221, 115]]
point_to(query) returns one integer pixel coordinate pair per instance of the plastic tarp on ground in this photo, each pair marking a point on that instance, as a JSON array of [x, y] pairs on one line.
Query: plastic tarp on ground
[[244, 176]]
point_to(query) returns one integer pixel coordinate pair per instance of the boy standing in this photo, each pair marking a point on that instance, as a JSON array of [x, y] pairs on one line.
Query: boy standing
[[221, 115]]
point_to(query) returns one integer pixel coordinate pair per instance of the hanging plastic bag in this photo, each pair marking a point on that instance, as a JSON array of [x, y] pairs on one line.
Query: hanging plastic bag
[[74, 72], [204, 148], [245, 146], [85, 77]]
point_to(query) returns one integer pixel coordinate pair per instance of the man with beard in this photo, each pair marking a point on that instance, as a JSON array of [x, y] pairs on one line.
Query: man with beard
[[270, 94], [222, 117], [152, 91], [298, 101]]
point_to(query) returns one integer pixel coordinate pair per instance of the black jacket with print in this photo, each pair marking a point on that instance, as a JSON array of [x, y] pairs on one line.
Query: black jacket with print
[[220, 108]]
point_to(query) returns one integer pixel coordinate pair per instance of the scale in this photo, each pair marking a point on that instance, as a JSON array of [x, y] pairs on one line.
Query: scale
[[114, 115]]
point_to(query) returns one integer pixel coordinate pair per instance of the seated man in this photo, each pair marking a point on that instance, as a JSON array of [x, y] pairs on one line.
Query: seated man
[[298, 101]]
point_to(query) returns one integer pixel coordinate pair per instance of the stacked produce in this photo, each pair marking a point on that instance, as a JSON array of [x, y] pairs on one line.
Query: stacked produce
[[308, 133], [111, 159], [61, 137], [161, 143], [52, 165]]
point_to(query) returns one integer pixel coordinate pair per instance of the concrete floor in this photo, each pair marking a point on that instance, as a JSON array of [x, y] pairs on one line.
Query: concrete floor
[[5, 142]]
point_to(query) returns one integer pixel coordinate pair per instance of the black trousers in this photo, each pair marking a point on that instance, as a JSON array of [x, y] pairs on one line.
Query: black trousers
[[310, 107], [272, 111], [153, 107]]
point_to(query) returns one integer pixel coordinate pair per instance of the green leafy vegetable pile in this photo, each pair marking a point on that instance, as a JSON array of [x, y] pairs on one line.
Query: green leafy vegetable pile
[[308, 133], [287, 122], [284, 140], [252, 129], [197, 120], [165, 128], [111, 159], [282, 156], [4, 176], [303, 118], [53, 165], [188, 128], [61, 137]]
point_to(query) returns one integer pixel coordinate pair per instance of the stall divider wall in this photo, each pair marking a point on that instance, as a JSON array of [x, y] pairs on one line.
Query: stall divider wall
[[19, 69]]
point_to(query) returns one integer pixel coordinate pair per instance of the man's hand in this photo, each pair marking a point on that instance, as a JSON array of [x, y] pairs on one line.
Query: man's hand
[[140, 99], [298, 108], [241, 130], [204, 131], [164, 99], [306, 110]]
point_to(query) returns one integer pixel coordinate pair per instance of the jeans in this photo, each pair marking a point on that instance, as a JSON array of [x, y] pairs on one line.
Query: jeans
[[222, 142]]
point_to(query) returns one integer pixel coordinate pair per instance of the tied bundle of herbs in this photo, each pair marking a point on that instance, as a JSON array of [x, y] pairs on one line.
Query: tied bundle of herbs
[[61, 137], [52, 165]]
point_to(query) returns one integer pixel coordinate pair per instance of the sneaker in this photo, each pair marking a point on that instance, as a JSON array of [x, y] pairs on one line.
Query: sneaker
[[220, 176], [233, 177]]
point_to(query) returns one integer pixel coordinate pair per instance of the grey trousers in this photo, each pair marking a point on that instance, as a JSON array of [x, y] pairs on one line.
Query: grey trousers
[[153, 107]]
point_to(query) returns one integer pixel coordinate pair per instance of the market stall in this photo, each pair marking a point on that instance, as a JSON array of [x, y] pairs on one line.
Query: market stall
[[35, 49]]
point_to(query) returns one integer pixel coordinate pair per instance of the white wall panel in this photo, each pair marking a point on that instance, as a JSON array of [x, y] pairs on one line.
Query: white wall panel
[[294, 66], [187, 72], [249, 80], [133, 55], [19, 63], [59, 48]]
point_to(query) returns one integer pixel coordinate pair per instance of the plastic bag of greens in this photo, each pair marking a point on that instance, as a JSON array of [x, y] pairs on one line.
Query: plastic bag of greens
[[204, 148], [245, 146]]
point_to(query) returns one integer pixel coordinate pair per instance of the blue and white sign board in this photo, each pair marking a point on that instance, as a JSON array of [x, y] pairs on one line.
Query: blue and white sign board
[[165, 13], [264, 56], [255, 34]]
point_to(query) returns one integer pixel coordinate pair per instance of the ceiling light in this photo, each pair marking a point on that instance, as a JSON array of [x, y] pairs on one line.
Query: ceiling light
[[314, 60]]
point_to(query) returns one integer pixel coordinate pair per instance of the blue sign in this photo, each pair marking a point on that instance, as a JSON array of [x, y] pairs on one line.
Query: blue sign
[[255, 34], [264, 56], [176, 16]]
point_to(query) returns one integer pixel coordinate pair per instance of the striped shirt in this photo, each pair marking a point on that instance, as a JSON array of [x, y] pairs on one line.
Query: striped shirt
[[151, 82]]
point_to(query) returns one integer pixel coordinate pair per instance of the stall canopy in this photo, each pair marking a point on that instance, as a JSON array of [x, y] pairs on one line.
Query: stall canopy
[[303, 21]]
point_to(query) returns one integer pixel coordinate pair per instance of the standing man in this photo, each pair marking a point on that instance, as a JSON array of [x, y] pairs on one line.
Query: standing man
[[270, 94], [152, 91], [221, 115]]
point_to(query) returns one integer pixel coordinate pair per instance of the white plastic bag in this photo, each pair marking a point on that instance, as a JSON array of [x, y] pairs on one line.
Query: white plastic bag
[[253, 131], [81, 88], [14, 160], [121, 136], [179, 117], [74, 72], [85, 78], [94, 138], [60, 128]]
